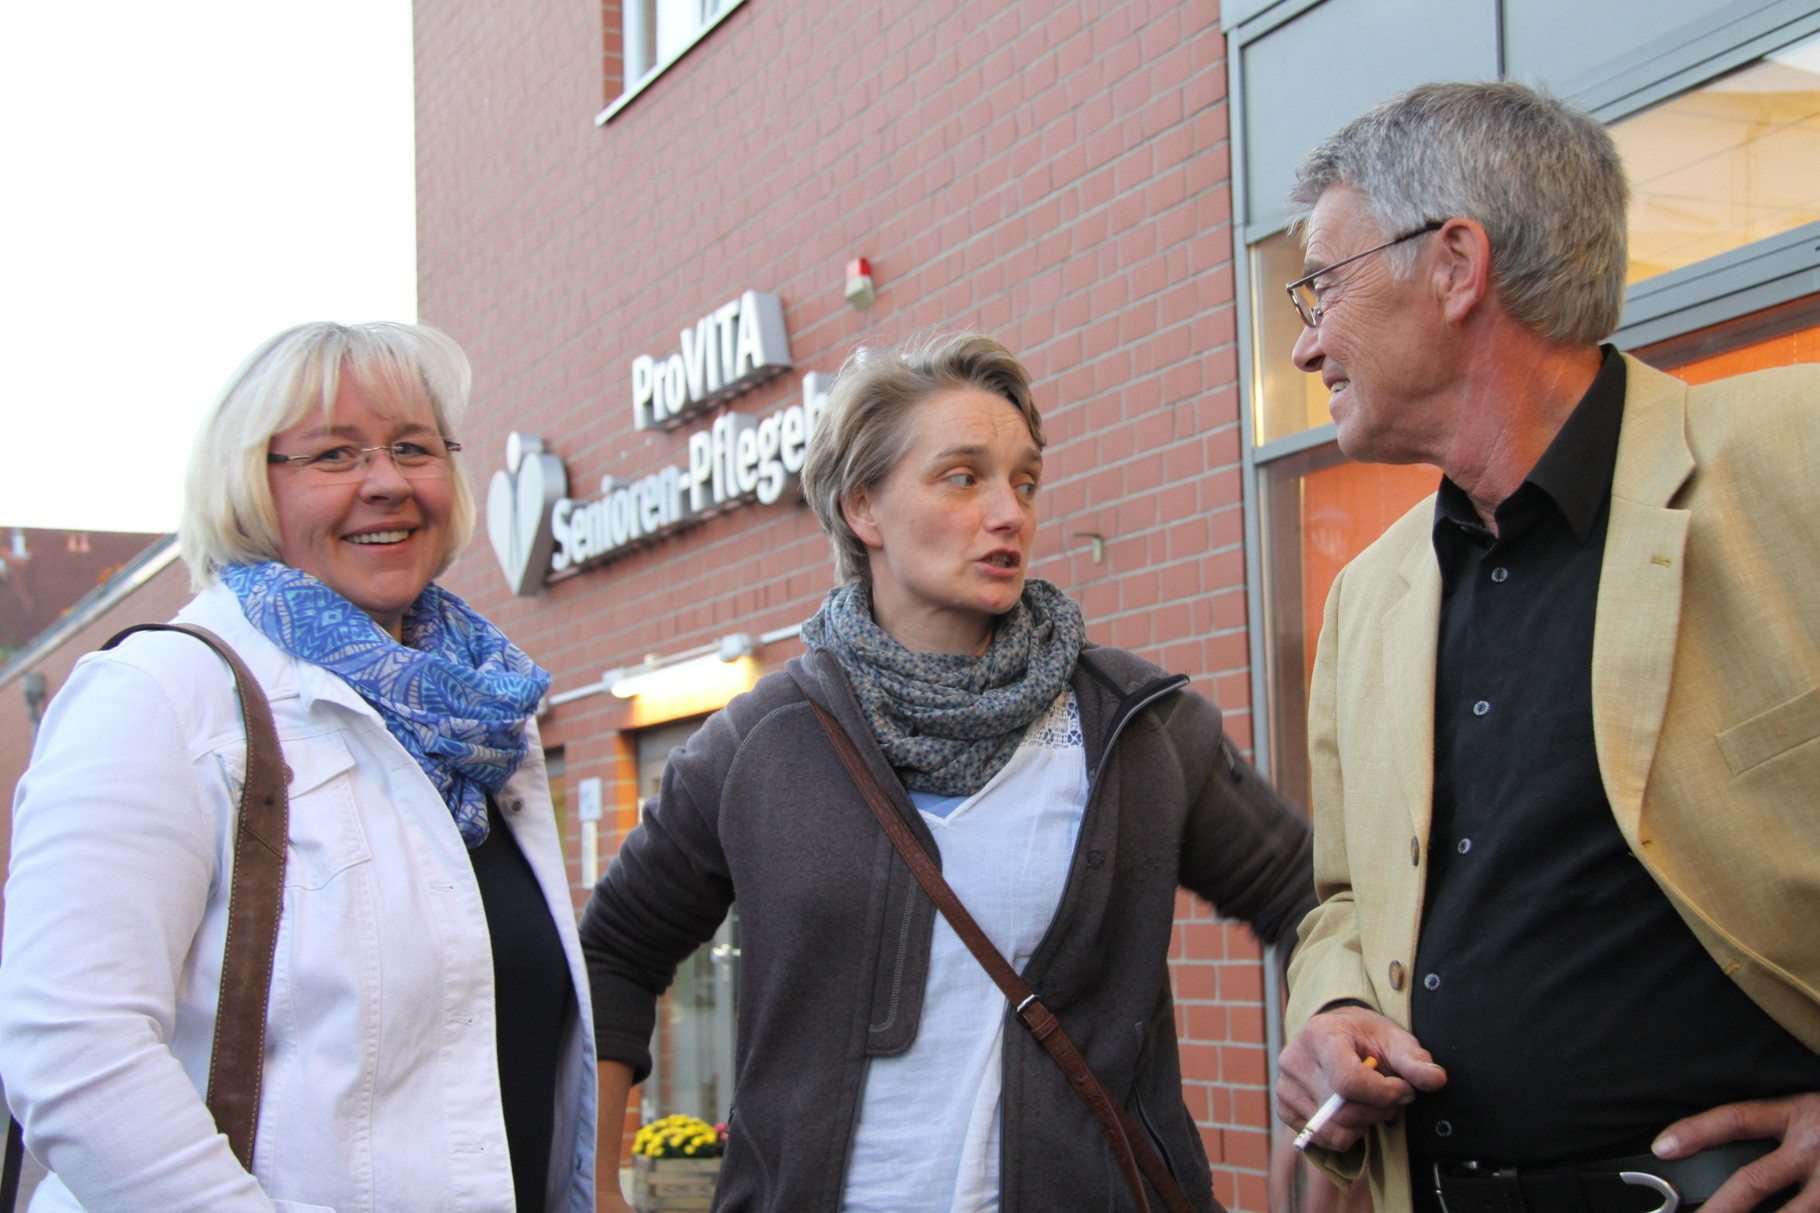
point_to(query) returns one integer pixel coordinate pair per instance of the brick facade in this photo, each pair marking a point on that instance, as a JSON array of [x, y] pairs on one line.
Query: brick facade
[[1053, 172]]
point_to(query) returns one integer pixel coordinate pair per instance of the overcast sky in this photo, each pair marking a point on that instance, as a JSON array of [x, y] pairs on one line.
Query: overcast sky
[[182, 181]]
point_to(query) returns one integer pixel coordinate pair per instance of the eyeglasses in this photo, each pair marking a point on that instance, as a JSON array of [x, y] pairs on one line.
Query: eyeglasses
[[424, 460], [1302, 293]]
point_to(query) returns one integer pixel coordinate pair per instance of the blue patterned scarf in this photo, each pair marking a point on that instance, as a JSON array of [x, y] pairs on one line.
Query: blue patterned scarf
[[456, 694], [948, 723]]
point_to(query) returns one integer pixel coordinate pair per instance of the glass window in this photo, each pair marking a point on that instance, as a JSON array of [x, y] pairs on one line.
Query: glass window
[[557, 767], [692, 1046], [1285, 401], [1320, 512], [655, 33], [1732, 162], [1561, 44], [1781, 336]]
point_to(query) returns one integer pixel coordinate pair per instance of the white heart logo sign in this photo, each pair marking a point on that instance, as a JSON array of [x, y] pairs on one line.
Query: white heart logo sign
[[519, 501]]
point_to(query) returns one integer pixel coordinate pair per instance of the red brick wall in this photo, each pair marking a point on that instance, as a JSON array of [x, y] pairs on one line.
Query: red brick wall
[[1055, 172]]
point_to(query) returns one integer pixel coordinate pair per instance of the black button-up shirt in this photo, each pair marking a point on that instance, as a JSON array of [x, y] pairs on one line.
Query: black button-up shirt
[[1574, 1011]]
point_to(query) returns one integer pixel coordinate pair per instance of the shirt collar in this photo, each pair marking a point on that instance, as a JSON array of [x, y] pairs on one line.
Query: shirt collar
[[1575, 472]]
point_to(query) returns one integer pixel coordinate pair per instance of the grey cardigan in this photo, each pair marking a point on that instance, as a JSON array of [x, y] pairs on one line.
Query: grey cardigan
[[835, 933]]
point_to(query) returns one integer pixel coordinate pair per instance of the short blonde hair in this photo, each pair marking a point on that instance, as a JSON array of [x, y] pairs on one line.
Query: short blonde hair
[[863, 430], [228, 515]]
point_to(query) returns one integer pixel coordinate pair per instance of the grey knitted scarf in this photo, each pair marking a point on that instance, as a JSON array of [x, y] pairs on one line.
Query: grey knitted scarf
[[948, 723]]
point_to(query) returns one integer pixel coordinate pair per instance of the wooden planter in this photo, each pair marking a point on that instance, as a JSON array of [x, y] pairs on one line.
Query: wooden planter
[[673, 1185]]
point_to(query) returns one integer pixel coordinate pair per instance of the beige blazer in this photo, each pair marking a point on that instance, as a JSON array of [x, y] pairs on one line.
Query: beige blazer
[[1706, 711]]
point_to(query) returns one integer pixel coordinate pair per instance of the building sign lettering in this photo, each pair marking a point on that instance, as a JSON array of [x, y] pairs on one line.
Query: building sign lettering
[[539, 531], [730, 351]]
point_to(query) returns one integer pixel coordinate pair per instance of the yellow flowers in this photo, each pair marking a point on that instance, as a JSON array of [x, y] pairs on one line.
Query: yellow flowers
[[678, 1137]]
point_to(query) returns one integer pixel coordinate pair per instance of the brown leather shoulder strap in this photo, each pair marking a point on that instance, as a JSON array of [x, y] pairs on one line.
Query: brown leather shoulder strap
[[1129, 1146], [237, 1059]]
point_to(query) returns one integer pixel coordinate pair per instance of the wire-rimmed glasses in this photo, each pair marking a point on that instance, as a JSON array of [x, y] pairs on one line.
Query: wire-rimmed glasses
[[423, 459], [1302, 293]]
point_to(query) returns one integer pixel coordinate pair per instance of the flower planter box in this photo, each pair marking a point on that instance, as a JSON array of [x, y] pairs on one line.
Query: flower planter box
[[673, 1185]]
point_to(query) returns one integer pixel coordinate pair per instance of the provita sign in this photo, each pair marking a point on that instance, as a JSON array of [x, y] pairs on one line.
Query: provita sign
[[730, 351], [538, 531], [735, 461]]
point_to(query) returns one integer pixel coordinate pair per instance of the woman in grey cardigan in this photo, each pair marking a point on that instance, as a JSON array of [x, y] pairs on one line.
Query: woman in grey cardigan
[[1067, 788]]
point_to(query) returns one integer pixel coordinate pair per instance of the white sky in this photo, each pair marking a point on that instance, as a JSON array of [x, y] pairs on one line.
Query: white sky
[[181, 181]]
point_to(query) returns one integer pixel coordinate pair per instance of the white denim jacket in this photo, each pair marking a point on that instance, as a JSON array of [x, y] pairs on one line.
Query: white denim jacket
[[381, 1092]]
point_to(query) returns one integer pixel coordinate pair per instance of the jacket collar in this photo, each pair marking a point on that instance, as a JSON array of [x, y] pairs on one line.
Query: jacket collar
[[280, 675], [1640, 588], [1654, 460]]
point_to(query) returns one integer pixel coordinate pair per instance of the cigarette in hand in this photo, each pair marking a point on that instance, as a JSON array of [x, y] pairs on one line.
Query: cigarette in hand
[[1324, 1113]]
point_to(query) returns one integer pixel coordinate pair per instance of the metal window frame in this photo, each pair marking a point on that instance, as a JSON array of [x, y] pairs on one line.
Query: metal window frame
[[1760, 275], [633, 88], [1763, 274]]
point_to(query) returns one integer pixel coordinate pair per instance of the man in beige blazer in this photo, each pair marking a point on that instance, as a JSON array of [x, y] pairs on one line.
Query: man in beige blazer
[[1565, 720]]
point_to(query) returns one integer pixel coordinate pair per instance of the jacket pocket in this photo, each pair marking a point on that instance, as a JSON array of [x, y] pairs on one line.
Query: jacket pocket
[[1156, 1138], [326, 835], [1772, 732]]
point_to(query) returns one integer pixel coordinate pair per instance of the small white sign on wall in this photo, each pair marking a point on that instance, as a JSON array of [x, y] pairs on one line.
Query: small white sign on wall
[[587, 800]]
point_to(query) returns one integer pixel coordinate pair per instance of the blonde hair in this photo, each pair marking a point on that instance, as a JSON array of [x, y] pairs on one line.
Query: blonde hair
[[864, 430], [228, 515]]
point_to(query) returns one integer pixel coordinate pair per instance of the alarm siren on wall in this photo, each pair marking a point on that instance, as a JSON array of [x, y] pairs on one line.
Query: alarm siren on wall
[[860, 291]]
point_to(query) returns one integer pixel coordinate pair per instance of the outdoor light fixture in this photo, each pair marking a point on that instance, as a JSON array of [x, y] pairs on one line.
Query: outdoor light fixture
[[699, 679], [688, 672], [860, 292], [33, 686]]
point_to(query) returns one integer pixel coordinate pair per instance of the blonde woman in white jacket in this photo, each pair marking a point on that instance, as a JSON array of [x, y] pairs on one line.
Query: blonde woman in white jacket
[[428, 1041]]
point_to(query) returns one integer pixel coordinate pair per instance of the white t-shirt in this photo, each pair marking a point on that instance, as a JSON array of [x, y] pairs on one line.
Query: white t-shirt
[[928, 1134]]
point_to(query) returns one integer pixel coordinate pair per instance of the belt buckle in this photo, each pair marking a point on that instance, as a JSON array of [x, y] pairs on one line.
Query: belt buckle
[[1480, 1172], [1671, 1197]]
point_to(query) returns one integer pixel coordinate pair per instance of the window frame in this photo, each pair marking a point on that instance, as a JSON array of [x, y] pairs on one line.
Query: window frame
[[631, 89], [1761, 275]]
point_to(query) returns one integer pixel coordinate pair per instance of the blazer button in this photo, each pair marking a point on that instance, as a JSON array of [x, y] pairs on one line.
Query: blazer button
[[1396, 975], [1415, 850]]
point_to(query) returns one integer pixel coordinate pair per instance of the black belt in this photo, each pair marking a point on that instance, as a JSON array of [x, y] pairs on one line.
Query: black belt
[[1641, 1183]]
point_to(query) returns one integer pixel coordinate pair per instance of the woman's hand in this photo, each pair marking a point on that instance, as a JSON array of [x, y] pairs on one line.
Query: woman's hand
[[615, 1094]]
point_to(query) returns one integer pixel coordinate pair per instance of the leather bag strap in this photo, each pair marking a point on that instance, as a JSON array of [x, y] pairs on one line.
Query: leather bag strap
[[237, 1057], [13, 1169], [1135, 1156]]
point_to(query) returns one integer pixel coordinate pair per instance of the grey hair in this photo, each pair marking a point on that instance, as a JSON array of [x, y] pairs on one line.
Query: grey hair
[[864, 430], [1543, 178], [228, 514]]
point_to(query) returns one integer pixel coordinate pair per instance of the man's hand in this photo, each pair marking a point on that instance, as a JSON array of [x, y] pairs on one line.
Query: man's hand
[[1794, 1122], [1328, 1055]]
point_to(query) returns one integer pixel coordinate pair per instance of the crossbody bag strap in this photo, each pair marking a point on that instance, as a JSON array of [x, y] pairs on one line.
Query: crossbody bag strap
[[255, 897], [237, 1057], [13, 1170], [1133, 1152]]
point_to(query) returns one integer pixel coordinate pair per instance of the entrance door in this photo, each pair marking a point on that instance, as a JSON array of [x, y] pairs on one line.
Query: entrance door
[[692, 1047]]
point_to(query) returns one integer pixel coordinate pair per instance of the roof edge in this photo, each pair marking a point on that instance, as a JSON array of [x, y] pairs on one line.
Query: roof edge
[[134, 573]]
